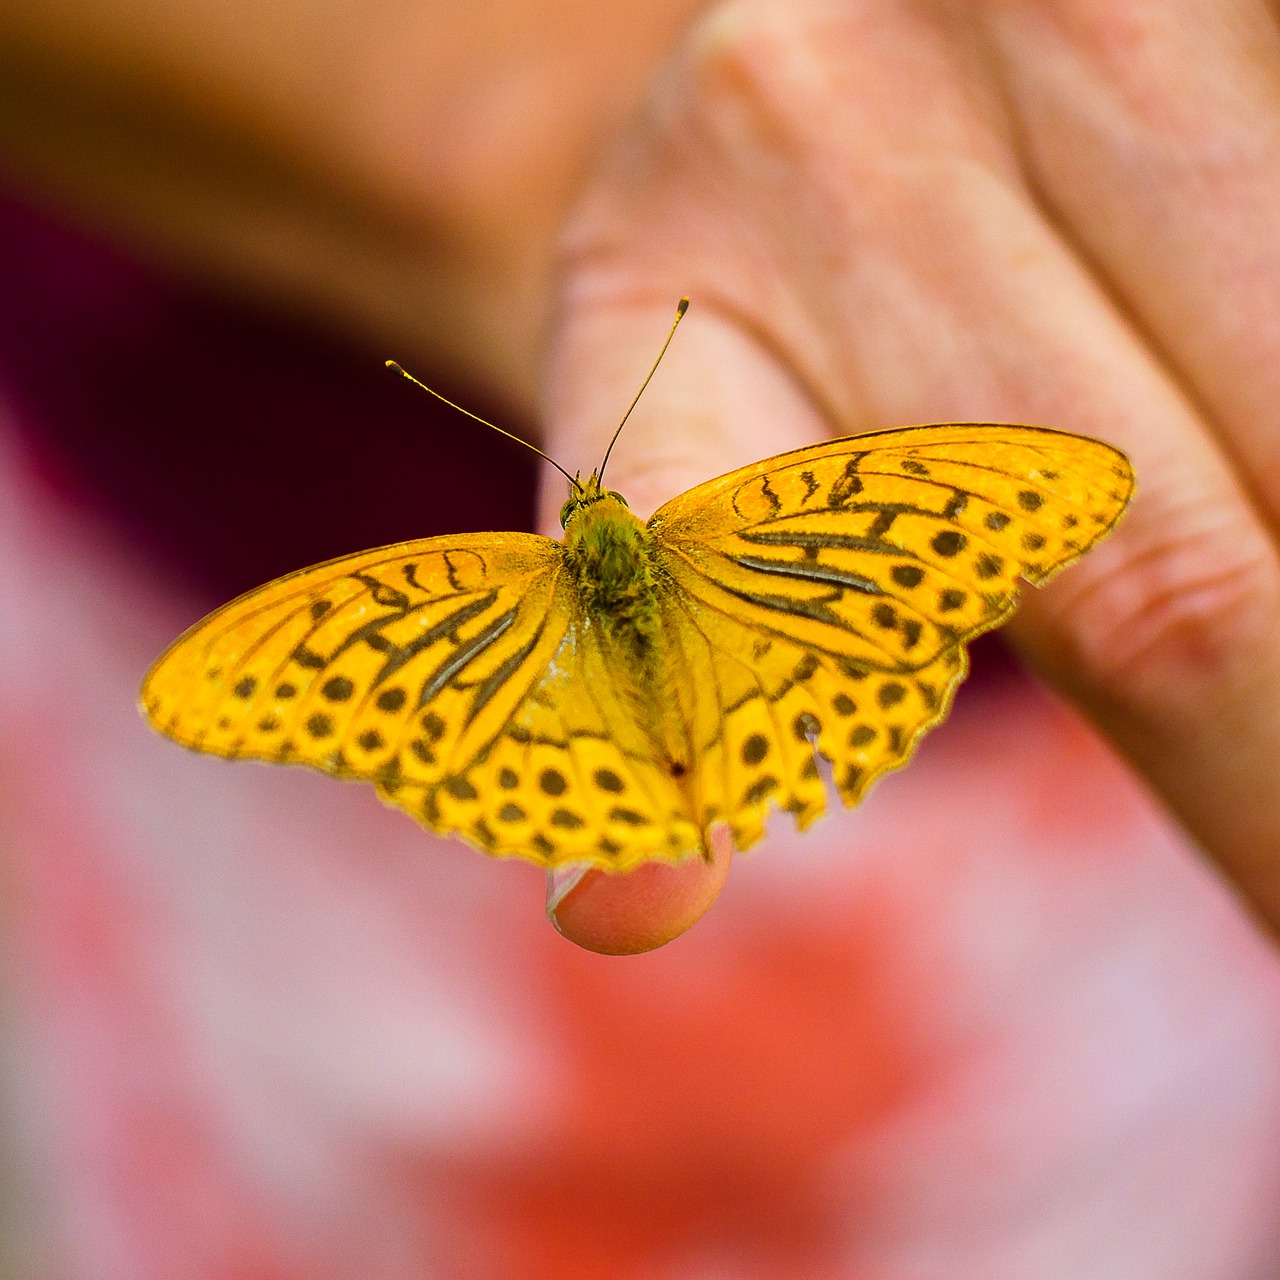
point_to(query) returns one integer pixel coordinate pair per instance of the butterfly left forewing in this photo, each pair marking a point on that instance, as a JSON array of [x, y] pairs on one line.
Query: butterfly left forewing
[[366, 665]]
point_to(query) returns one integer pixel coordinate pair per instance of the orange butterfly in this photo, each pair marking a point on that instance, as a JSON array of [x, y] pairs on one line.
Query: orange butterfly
[[607, 698]]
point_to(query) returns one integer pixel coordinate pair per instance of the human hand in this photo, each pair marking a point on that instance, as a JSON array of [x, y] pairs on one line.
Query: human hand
[[1057, 212], [890, 212]]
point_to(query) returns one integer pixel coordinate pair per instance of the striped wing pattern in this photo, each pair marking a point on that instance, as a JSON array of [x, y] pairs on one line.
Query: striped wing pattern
[[832, 592], [452, 673], [571, 777]]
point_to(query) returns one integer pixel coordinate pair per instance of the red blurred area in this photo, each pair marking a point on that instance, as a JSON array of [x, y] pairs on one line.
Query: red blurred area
[[234, 444]]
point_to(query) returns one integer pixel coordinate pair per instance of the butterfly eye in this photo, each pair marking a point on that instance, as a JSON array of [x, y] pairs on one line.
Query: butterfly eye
[[613, 493], [566, 511]]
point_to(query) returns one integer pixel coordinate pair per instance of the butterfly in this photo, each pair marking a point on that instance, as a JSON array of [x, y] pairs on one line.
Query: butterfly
[[609, 698]]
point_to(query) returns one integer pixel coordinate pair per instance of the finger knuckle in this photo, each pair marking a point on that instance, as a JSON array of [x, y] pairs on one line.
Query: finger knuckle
[[765, 62], [736, 108], [1178, 611]]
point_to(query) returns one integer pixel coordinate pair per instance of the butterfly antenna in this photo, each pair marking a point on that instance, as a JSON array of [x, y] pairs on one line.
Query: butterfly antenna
[[395, 368], [680, 310]]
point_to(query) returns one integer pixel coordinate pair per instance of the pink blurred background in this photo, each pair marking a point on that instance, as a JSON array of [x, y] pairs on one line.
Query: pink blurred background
[[1000, 1023]]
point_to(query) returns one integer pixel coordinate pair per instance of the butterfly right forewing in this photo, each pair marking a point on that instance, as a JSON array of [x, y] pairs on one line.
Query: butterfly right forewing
[[891, 547], [833, 590]]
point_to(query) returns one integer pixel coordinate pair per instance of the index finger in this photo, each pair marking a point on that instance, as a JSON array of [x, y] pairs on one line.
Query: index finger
[[717, 401], [873, 302]]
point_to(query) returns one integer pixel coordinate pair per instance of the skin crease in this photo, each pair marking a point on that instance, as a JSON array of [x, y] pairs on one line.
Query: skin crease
[[885, 211]]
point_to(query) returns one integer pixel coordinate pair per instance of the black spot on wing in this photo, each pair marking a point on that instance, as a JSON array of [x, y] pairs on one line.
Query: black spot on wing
[[890, 694], [337, 689], [309, 658], [390, 700], [948, 543], [552, 782]]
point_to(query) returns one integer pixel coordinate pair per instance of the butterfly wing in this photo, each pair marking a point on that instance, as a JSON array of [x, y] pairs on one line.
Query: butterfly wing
[[832, 591], [570, 778], [454, 673]]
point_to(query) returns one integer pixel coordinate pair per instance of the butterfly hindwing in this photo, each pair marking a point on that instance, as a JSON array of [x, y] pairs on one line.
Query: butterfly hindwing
[[766, 705], [569, 779]]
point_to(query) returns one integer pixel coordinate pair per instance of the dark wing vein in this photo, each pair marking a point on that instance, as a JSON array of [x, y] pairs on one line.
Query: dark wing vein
[[674, 547]]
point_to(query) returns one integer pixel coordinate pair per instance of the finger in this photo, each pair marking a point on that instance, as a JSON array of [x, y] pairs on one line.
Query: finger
[[1169, 634], [718, 400], [625, 915], [1152, 132]]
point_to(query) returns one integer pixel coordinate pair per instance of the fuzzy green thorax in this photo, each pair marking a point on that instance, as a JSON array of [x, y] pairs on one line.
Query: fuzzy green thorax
[[608, 550]]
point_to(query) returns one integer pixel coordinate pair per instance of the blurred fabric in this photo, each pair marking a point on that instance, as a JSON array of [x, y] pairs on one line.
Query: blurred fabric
[[1000, 1023]]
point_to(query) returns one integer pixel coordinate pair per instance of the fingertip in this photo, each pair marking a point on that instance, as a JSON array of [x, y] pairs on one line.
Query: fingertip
[[644, 909]]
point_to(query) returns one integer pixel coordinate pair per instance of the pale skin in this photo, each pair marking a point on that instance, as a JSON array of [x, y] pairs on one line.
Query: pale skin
[[1063, 212]]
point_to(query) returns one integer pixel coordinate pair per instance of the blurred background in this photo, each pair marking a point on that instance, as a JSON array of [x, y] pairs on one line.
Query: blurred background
[[998, 1022]]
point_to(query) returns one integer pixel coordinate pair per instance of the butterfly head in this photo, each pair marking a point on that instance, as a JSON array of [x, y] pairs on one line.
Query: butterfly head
[[584, 494]]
